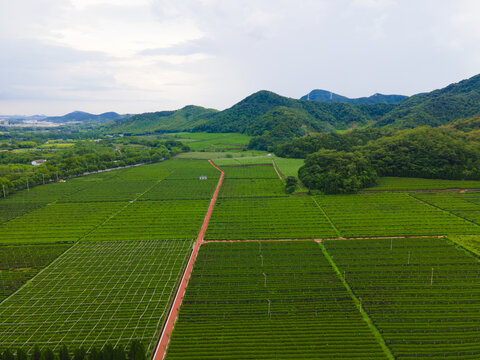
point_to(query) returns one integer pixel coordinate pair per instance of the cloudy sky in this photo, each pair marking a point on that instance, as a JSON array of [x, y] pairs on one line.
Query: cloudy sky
[[133, 56]]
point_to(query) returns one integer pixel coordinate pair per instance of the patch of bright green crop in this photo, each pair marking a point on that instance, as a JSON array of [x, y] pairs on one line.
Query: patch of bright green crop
[[289, 167], [250, 172], [470, 242]]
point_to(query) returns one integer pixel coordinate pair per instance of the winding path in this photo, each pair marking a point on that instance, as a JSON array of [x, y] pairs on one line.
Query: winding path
[[162, 345]]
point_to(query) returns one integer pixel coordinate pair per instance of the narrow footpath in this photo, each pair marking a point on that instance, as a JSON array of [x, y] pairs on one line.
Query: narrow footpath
[[162, 345]]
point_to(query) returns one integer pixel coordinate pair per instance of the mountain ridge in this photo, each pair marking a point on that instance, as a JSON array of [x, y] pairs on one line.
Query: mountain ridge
[[328, 96]]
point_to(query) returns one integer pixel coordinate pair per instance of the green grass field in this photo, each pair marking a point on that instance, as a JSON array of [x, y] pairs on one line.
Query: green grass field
[[212, 142], [268, 301]]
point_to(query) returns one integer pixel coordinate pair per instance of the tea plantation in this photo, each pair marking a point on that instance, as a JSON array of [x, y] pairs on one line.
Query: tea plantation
[[98, 260]]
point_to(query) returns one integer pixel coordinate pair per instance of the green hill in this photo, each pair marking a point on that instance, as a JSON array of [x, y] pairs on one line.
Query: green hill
[[439, 107], [249, 115], [162, 121], [328, 96]]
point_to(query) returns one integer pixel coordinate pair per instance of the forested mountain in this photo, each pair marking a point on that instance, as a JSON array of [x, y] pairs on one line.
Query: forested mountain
[[328, 96], [80, 116], [272, 118], [275, 118], [184, 119], [439, 107]]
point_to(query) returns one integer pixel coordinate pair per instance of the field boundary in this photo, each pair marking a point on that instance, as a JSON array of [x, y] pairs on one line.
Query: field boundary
[[280, 175], [331, 239], [442, 209], [162, 345], [376, 333]]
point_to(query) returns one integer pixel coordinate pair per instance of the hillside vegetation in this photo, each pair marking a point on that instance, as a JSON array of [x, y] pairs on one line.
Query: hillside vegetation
[[183, 119]]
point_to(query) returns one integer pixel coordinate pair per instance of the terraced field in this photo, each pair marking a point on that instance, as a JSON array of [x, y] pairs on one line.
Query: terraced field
[[97, 293], [422, 294], [268, 300], [390, 215]]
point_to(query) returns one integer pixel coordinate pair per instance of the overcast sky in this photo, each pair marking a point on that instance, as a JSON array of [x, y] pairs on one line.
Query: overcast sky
[[133, 56]]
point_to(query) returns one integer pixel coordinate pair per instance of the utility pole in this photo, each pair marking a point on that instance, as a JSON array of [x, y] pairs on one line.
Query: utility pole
[[391, 244], [431, 279]]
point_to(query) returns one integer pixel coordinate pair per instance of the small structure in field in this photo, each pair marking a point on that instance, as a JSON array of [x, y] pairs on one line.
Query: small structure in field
[[38, 162], [203, 177]]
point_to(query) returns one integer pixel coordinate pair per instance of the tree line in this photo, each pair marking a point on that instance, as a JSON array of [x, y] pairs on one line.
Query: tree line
[[17, 173]]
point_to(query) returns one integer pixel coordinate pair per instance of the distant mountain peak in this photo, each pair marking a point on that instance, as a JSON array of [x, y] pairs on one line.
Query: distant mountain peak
[[328, 96]]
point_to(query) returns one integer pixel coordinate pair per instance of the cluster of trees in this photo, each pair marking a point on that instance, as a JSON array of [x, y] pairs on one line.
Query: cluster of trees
[[345, 163], [135, 351], [290, 184], [84, 156]]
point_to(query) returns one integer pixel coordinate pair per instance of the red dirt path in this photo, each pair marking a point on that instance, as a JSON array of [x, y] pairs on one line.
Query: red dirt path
[[162, 345]]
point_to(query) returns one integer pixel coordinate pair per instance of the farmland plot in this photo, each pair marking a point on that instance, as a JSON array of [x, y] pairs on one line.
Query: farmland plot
[[250, 172], [422, 294], [193, 189], [466, 206], [191, 169], [402, 183], [252, 188], [150, 220], [57, 222], [268, 301], [12, 209], [111, 190], [268, 218], [96, 293], [20, 263], [390, 215]]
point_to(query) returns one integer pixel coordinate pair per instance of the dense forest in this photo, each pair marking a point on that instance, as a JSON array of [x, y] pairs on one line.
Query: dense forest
[[348, 162]]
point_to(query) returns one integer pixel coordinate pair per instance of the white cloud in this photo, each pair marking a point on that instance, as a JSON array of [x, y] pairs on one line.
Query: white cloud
[[144, 55]]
